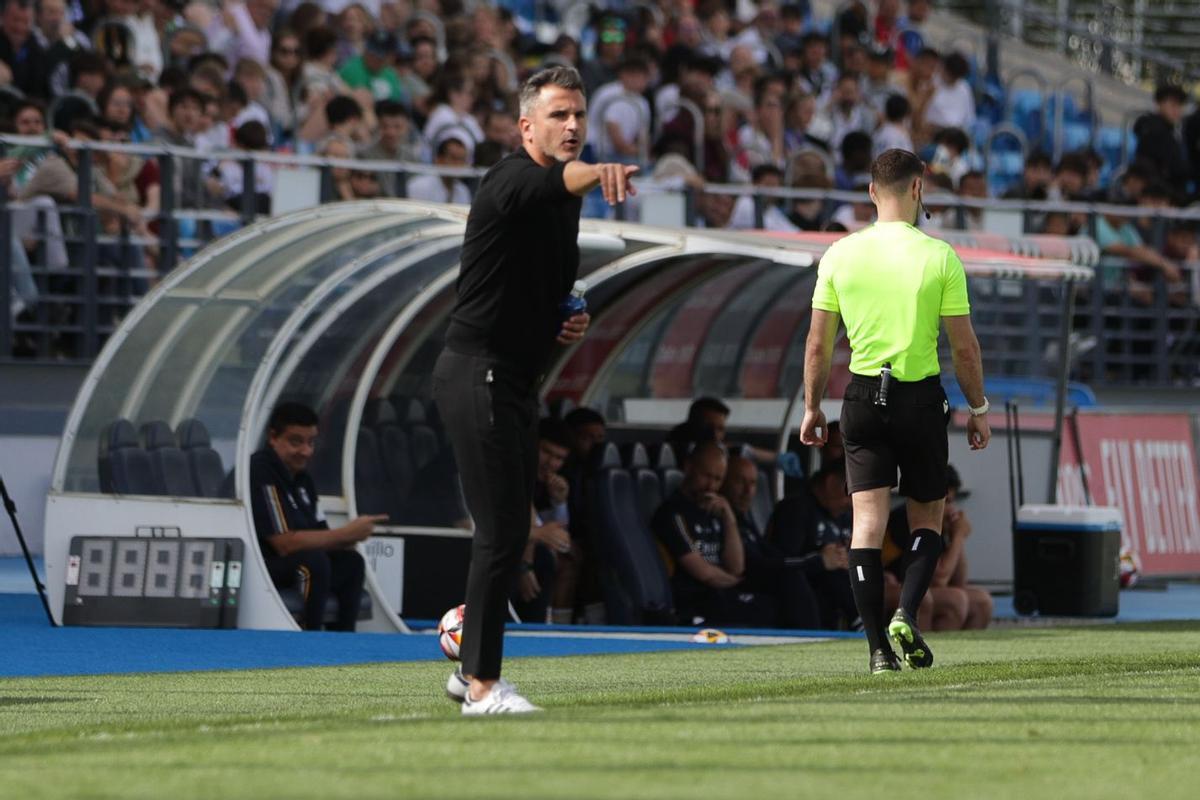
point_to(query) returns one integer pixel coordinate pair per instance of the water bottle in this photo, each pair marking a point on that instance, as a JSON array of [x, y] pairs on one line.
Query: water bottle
[[575, 303]]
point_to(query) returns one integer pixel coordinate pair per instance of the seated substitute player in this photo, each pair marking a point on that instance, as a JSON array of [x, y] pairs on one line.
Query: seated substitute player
[[296, 541], [698, 531], [767, 570], [952, 604], [811, 528], [548, 568]]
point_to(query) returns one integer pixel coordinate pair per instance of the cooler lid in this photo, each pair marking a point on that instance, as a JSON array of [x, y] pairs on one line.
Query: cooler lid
[[1092, 518]]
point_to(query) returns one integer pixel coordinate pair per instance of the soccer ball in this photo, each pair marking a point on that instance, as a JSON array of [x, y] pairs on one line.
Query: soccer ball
[[1128, 568], [450, 631]]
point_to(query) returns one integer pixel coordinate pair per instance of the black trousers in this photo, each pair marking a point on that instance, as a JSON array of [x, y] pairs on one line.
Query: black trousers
[[323, 572], [489, 408]]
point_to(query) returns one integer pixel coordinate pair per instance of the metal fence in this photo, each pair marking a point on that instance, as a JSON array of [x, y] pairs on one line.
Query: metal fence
[[79, 271]]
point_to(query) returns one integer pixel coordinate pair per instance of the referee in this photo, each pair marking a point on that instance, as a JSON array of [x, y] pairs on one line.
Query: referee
[[520, 258], [892, 285]]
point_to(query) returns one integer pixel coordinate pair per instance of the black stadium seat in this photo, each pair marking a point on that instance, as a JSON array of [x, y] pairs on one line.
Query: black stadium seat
[[649, 492], [124, 465], [763, 502], [396, 451], [424, 444], [634, 456], [370, 483], [208, 473], [636, 587], [671, 479], [168, 465]]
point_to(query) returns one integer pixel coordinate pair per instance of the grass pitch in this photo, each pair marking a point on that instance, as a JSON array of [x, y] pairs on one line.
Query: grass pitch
[[1106, 711]]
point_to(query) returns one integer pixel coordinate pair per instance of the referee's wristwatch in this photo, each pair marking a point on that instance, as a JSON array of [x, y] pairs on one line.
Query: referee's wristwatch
[[983, 409]]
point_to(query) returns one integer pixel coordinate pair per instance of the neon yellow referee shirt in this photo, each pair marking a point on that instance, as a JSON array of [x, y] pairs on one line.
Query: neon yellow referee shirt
[[892, 284]]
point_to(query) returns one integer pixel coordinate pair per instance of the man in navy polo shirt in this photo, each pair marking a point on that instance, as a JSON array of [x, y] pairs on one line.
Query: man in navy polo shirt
[[296, 541]]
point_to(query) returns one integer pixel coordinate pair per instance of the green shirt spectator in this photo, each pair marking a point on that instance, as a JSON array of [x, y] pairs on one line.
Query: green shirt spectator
[[373, 70]]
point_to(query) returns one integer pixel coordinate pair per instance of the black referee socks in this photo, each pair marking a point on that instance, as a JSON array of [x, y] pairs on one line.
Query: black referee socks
[[866, 581], [919, 563]]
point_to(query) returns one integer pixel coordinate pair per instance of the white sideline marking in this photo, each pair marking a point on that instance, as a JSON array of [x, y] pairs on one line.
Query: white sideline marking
[[666, 637]]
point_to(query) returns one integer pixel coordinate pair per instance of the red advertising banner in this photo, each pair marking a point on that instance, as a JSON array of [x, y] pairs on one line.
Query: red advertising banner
[[1144, 464]]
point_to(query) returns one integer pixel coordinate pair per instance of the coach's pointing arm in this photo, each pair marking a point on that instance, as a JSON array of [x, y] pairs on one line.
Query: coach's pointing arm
[[613, 179]]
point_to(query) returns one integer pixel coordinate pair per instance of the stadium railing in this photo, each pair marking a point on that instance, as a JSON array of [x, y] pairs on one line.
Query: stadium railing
[[89, 270]]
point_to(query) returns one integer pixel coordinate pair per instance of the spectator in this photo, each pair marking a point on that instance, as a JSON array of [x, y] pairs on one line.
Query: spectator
[[878, 85], [678, 134], [421, 73], [767, 571], [706, 560], [398, 140], [318, 80], [920, 87], [56, 177], [243, 30], [451, 151], [895, 132], [952, 564], [620, 133], [1035, 178], [972, 184], [19, 49], [856, 162], [548, 555], [305, 17], [846, 112], [353, 25], [283, 82], [1160, 140], [762, 141], [339, 147], [910, 37], [790, 38], [798, 124], [186, 111], [953, 156], [809, 215], [372, 69], [251, 78], [762, 30], [147, 53], [1121, 246], [609, 51], [952, 104], [1070, 178], [345, 119], [714, 29], [817, 74], [364, 184], [454, 99], [296, 541], [811, 528], [586, 429], [61, 42], [741, 75], [500, 128], [773, 218], [88, 73], [229, 180]]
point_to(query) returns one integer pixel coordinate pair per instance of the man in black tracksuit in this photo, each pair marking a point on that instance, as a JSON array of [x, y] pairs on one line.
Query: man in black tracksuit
[[519, 261]]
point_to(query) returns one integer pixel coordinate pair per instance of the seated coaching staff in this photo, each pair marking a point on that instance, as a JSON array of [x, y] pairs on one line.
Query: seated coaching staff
[[520, 258], [294, 537], [894, 286]]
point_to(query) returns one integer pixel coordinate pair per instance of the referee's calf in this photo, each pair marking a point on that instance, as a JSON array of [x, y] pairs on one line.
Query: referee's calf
[[892, 285]]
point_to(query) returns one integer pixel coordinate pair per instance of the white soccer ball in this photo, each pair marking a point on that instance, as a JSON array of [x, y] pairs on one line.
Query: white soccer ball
[[450, 631]]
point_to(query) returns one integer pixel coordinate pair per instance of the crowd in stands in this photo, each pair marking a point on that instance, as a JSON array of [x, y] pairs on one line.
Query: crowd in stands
[[711, 91], [725, 567]]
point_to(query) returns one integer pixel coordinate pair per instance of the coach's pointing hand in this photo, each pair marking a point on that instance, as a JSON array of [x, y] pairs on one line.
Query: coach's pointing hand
[[615, 181]]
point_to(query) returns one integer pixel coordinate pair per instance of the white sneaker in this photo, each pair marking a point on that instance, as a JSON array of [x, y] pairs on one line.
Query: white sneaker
[[502, 699]]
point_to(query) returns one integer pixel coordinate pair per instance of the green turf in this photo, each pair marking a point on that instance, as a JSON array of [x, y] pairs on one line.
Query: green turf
[[1087, 712]]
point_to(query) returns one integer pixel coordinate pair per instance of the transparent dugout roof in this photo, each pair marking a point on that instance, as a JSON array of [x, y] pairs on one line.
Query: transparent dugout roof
[[195, 345]]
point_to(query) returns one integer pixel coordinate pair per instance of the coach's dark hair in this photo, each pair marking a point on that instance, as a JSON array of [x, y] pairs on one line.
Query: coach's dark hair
[[702, 405], [895, 168], [555, 431], [562, 77], [287, 414]]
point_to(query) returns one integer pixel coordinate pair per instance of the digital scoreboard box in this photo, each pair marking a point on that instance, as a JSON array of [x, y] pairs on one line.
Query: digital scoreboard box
[[153, 582]]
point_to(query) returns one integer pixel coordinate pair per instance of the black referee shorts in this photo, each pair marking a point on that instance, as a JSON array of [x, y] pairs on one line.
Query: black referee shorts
[[908, 434]]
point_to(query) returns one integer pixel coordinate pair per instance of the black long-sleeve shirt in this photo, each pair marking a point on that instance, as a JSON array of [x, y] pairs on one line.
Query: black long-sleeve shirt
[[520, 258]]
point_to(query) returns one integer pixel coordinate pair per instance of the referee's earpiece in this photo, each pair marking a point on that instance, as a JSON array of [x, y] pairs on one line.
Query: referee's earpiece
[[921, 201]]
